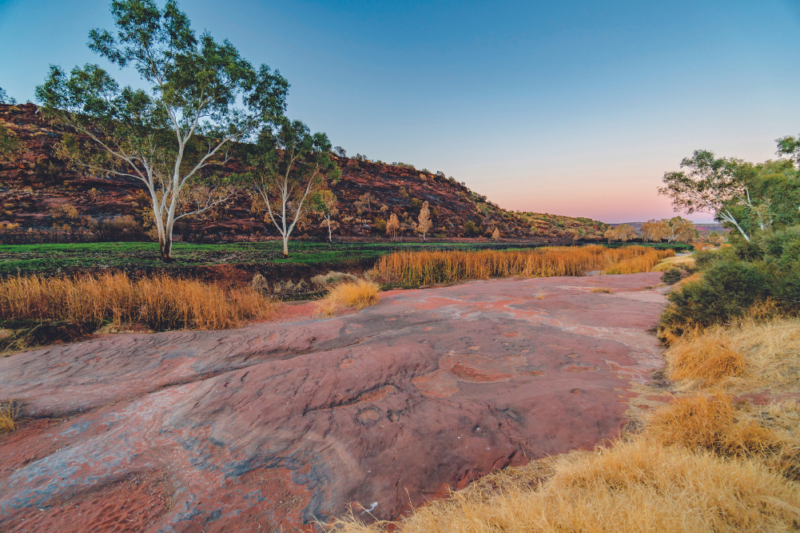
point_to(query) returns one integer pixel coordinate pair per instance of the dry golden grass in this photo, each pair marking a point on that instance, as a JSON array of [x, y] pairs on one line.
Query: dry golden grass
[[713, 422], [710, 421], [161, 303], [705, 360], [684, 261], [9, 411], [359, 294], [746, 357], [604, 290], [426, 268], [632, 486]]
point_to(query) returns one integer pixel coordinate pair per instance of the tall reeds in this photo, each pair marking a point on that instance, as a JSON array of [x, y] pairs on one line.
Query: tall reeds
[[426, 268], [161, 303]]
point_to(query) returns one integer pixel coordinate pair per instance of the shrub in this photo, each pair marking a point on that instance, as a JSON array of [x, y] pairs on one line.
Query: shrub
[[260, 284], [64, 212], [726, 290], [119, 228], [380, 225], [735, 280], [671, 276], [331, 278], [472, 230]]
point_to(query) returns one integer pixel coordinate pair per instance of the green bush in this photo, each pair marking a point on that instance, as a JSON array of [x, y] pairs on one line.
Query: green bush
[[472, 229], [736, 279], [671, 276]]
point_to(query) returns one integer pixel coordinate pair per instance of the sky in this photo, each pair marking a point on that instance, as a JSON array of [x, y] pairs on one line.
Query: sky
[[573, 108]]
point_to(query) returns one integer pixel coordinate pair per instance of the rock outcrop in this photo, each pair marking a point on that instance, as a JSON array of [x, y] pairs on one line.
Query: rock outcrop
[[281, 424]]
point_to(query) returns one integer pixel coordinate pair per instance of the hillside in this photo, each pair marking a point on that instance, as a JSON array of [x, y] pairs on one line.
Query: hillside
[[35, 181]]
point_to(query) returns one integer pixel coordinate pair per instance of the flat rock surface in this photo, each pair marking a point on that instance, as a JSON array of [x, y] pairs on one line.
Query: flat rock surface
[[277, 425]]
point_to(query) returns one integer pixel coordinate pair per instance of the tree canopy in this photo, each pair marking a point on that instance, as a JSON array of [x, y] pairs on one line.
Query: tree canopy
[[287, 166], [201, 97], [745, 196]]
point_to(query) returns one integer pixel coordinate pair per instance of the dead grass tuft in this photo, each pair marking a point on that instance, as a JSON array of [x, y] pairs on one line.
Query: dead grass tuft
[[9, 411], [604, 290], [162, 303], [743, 358], [705, 360], [358, 294], [710, 421]]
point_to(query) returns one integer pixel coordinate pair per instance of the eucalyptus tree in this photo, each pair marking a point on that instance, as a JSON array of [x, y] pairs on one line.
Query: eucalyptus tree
[[5, 99], [709, 185], [326, 204], [200, 99], [286, 167]]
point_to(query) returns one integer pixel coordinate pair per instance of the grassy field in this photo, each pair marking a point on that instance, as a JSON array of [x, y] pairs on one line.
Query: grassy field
[[54, 258]]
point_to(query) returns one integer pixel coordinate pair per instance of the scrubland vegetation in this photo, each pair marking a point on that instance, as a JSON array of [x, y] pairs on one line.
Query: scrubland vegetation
[[161, 303], [707, 460], [427, 268]]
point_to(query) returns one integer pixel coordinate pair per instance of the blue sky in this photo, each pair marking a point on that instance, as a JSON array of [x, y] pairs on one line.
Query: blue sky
[[575, 108]]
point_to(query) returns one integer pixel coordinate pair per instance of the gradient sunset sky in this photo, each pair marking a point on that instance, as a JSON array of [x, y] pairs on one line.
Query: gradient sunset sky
[[574, 108]]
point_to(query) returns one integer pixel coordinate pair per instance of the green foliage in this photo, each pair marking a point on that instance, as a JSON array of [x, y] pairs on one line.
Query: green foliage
[[9, 144], [671, 276], [761, 270], [472, 229], [198, 97], [5, 99], [737, 279]]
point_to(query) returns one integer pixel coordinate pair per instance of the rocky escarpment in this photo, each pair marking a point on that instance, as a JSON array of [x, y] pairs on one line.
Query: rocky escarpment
[[35, 180]]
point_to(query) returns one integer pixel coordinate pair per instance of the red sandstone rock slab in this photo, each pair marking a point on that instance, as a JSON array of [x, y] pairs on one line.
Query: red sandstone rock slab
[[279, 424]]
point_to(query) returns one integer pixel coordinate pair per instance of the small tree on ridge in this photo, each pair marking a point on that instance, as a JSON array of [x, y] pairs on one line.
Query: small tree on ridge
[[424, 221]]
